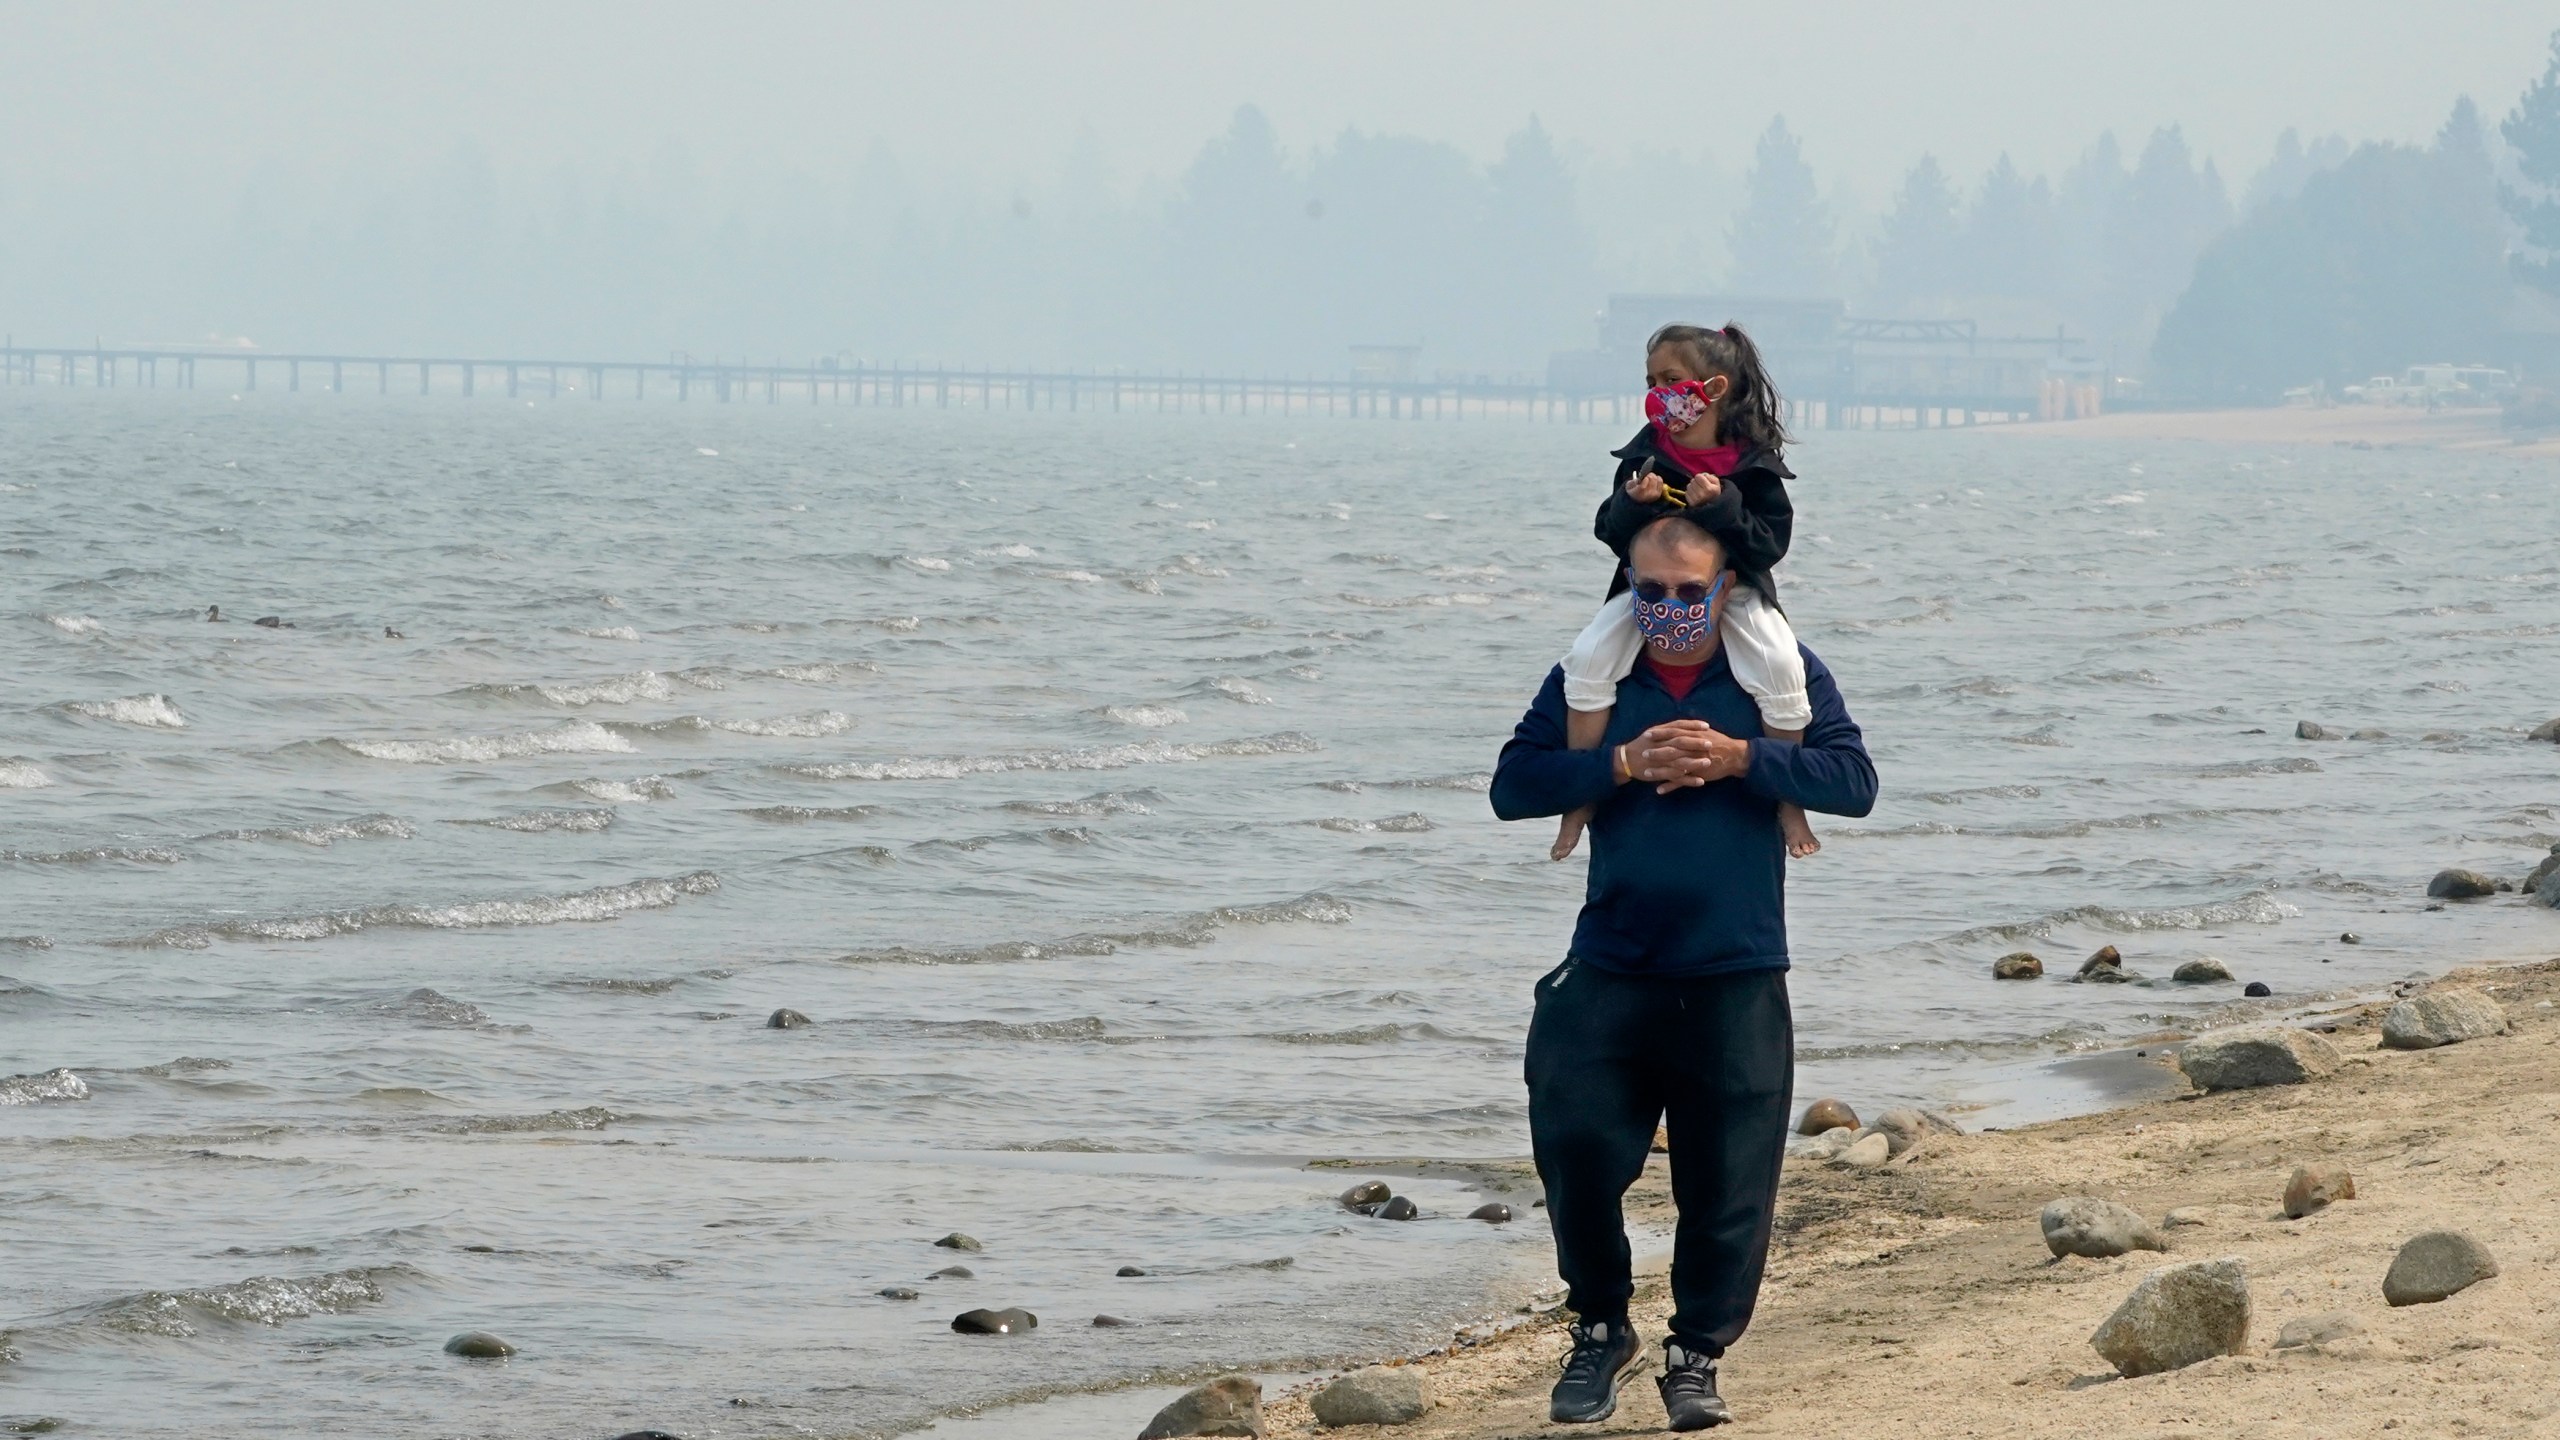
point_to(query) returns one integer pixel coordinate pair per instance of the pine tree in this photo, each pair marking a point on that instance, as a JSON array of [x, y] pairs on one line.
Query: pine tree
[[1918, 249], [2009, 237], [2532, 131], [1782, 245]]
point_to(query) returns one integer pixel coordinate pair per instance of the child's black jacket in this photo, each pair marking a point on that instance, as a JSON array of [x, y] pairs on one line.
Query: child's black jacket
[[1751, 514]]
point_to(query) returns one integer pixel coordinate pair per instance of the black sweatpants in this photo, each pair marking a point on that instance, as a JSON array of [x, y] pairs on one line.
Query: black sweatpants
[[1612, 1055]]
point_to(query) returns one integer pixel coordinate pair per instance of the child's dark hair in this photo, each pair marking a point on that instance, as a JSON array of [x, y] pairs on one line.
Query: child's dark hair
[[1749, 414]]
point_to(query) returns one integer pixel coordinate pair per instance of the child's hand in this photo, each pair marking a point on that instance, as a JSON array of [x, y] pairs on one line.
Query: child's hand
[[1645, 488], [1704, 488]]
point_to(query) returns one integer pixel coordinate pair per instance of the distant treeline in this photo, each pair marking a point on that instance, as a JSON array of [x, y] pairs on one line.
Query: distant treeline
[[2332, 262]]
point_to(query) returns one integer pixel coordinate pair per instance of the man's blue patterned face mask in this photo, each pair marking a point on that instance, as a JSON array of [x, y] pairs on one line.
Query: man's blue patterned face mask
[[1677, 618]]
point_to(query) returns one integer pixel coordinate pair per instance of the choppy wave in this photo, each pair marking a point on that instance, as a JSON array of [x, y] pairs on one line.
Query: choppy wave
[[75, 624], [1236, 688], [37, 1089], [2292, 765], [1113, 757], [543, 822], [613, 690], [362, 827], [17, 773], [2255, 908], [1149, 717], [1981, 792], [1082, 1027], [618, 792], [1198, 928], [822, 672], [549, 1122], [806, 814], [150, 710], [580, 737], [137, 855], [433, 1007], [1412, 823], [606, 902], [260, 1299], [611, 986], [1119, 802]]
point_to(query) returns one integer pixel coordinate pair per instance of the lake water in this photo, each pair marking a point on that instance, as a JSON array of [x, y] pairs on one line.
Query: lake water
[[1109, 792]]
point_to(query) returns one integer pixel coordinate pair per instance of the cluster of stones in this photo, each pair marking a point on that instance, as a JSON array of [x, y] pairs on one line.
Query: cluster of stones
[[2106, 967]]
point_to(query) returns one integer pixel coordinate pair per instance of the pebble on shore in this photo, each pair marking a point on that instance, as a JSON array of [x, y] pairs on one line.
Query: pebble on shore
[[2017, 965], [957, 1241], [1366, 1193], [1129, 1272], [1492, 1212], [785, 1019], [899, 1292], [1398, 1208], [478, 1345], [1826, 1114], [1230, 1405], [2203, 970], [953, 1272]]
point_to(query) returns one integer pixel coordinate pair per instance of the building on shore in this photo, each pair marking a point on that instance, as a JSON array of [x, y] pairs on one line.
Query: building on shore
[[1829, 363]]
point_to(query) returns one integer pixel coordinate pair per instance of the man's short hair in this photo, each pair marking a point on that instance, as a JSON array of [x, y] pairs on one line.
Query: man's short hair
[[1678, 532]]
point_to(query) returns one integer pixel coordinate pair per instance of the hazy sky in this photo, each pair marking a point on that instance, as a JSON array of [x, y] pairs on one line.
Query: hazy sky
[[997, 89]]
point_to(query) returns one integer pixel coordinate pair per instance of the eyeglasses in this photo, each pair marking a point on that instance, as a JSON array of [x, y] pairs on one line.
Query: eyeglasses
[[1654, 592]]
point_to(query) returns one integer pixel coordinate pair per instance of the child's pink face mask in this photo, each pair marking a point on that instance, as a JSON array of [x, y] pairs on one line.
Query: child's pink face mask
[[1677, 407]]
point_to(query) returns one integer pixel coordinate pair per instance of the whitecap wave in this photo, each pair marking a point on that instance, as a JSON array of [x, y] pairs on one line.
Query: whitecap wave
[[75, 624], [582, 737], [1149, 717], [613, 690], [1236, 688], [37, 1089], [933, 564], [260, 1300], [809, 726], [21, 774], [545, 822], [150, 710], [804, 814], [1131, 802], [363, 827], [140, 855], [1112, 757], [619, 792], [609, 632], [605, 902], [1407, 824], [2255, 908], [1197, 928]]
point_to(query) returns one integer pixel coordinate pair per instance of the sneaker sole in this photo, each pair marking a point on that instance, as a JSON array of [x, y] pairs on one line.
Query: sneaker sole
[[1636, 1365]]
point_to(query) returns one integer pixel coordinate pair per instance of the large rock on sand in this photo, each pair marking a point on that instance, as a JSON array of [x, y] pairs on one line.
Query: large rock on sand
[[1228, 1405], [2255, 1055], [2316, 1187], [2435, 1265], [2177, 1317], [1379, 1395], [1905, 1128], [2442, 1017], [1826, 1114], [2096, 1229]]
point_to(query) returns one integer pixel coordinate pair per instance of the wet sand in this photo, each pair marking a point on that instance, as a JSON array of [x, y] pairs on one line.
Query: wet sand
[[1919, 1297], [2356, 426]]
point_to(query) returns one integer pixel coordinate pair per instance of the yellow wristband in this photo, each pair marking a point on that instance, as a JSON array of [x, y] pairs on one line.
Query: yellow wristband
[[1618, 765]]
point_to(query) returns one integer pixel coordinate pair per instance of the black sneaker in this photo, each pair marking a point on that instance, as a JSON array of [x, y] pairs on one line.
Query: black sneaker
[[1688, 1385], [1604, 1351]]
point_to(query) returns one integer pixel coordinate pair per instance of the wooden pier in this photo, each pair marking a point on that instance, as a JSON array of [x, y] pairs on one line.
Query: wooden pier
[[683, 379]]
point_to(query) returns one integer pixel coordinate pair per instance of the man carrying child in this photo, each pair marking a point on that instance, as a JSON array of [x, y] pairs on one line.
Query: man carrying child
[[1671, 1003]]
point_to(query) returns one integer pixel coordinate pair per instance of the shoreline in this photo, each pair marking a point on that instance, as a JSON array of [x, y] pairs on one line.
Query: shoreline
[[1934, 1262], [1490, 1381], [2353, 427]]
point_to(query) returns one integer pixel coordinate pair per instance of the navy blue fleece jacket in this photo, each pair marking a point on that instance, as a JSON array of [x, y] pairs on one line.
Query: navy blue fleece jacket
[[1693, 882]]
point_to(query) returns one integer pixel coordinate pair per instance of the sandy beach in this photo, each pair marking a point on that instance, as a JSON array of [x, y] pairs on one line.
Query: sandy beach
[[2355, 426], [1919, 1297]]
